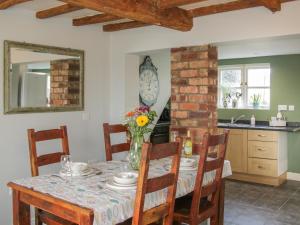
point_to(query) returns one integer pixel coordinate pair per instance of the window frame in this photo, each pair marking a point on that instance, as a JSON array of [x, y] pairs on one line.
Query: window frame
[[244, 84]]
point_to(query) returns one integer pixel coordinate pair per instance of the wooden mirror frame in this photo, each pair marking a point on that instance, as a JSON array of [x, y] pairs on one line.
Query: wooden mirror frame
[[43, 49]]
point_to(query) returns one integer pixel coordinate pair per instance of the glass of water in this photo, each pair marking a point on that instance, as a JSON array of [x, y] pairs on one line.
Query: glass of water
[[66, 164]]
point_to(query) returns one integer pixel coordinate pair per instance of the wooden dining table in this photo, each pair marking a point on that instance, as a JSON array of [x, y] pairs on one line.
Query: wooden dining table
[[88, 200]]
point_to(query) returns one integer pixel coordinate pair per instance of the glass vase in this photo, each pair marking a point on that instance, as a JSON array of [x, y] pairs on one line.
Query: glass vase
[[135, 151]]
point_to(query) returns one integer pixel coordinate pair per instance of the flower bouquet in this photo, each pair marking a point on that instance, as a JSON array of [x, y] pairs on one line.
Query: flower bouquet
[[138, 123]]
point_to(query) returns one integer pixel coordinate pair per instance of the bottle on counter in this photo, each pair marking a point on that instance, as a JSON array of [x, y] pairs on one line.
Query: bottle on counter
[[252, 120], [188, 145]]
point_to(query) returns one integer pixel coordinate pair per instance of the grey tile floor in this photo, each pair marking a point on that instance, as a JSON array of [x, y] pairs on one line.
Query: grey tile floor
[[254, 204]]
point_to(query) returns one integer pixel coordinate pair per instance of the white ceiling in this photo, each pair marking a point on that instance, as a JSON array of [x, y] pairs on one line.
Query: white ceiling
[[284, 45], [259, 47]]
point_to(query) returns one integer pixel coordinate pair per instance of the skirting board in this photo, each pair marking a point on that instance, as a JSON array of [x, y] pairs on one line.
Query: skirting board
[[293, 176]]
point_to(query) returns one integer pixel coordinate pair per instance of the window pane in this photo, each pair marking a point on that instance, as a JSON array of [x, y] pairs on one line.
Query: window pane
[[259, 77], [261, 95], [231, 77]]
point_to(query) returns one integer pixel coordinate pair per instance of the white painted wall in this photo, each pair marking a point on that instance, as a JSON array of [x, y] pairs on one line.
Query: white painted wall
[[132, 63], [85, 137], [239, 25]]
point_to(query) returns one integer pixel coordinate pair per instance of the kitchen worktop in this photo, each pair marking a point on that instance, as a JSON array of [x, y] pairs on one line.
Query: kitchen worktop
[[260, 125]]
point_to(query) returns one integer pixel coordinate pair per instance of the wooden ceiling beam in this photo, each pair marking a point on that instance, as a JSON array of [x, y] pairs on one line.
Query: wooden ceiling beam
[[224, 7], [123, 26], [165, 4], [273, 5], [56, 11], [99, 18], [202, 11], [142, 11], [4, 4], [227, 7]]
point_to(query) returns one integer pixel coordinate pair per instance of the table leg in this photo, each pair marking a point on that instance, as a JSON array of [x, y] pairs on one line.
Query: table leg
[[21, 211], [221, 204]]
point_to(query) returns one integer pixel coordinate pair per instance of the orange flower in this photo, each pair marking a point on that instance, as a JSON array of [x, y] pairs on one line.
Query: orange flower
[[130, 114]]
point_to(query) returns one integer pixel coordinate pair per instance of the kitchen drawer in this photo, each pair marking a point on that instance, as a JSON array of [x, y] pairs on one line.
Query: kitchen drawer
[[258, 135], [260, 149], [263, 167]]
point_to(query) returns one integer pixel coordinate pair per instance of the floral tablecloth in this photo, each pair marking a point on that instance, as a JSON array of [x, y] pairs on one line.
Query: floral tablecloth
[[112, 206]]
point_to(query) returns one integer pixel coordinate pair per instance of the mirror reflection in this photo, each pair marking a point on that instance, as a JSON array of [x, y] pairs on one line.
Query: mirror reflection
[[41, 78]]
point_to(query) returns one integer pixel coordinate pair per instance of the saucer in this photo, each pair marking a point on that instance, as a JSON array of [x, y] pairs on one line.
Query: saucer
[[86, 172], [113, 185]]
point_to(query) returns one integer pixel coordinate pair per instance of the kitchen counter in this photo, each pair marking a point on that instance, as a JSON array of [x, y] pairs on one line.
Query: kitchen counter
[[260, 125]]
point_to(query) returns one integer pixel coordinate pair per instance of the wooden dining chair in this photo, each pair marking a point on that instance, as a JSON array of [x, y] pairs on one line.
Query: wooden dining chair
[[203, 202], [37, 161], [147, 185], [109, 148]]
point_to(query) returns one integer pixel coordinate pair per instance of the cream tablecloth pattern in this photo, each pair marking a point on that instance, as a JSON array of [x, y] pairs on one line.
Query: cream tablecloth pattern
[[112, 206]]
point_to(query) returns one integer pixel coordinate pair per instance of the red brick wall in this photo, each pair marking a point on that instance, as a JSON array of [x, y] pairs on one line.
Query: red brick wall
[[65, 82], [194, 90]]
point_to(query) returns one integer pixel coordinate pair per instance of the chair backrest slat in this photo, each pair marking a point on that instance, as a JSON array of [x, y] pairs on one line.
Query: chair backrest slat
[[155, 214], [213, 164], [109, 129], [39, 136], [158, 183], [146, 185], [205, 165], [49, 158], [117, 128], [120, 147], [215, 140], [47, 135], [164, 150], [209, 189]]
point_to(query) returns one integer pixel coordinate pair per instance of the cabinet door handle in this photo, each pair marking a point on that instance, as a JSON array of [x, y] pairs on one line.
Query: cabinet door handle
[[261, 135], [261, 167], [261, 149]]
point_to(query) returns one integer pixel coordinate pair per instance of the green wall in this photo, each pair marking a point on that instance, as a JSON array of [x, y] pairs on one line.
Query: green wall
[[285, 90]]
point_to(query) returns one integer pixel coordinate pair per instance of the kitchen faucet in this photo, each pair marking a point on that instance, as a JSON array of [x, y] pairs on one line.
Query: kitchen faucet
[[234, 120]]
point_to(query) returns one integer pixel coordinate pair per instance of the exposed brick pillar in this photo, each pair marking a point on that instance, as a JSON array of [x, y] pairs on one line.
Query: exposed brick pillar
[[194, 90], [65, 82]]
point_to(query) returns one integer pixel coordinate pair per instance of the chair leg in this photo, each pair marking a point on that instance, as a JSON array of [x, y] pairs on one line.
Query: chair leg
[[214, 220], [176, 223], [221, 204], [37, 218]]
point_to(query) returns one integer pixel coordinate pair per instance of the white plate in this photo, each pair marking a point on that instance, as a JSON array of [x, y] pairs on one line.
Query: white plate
[[188, 168], [79, 167], [114, 185], [123, 185], [187, 162], [83, 173], [126, 178]]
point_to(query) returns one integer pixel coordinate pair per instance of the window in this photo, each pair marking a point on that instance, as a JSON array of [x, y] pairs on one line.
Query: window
[[244, 86]]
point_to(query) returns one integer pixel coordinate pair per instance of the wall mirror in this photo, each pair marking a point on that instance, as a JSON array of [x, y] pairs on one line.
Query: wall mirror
[[40, 78]]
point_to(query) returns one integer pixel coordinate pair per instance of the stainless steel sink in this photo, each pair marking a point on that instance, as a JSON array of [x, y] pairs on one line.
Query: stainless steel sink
[[242, 125]]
